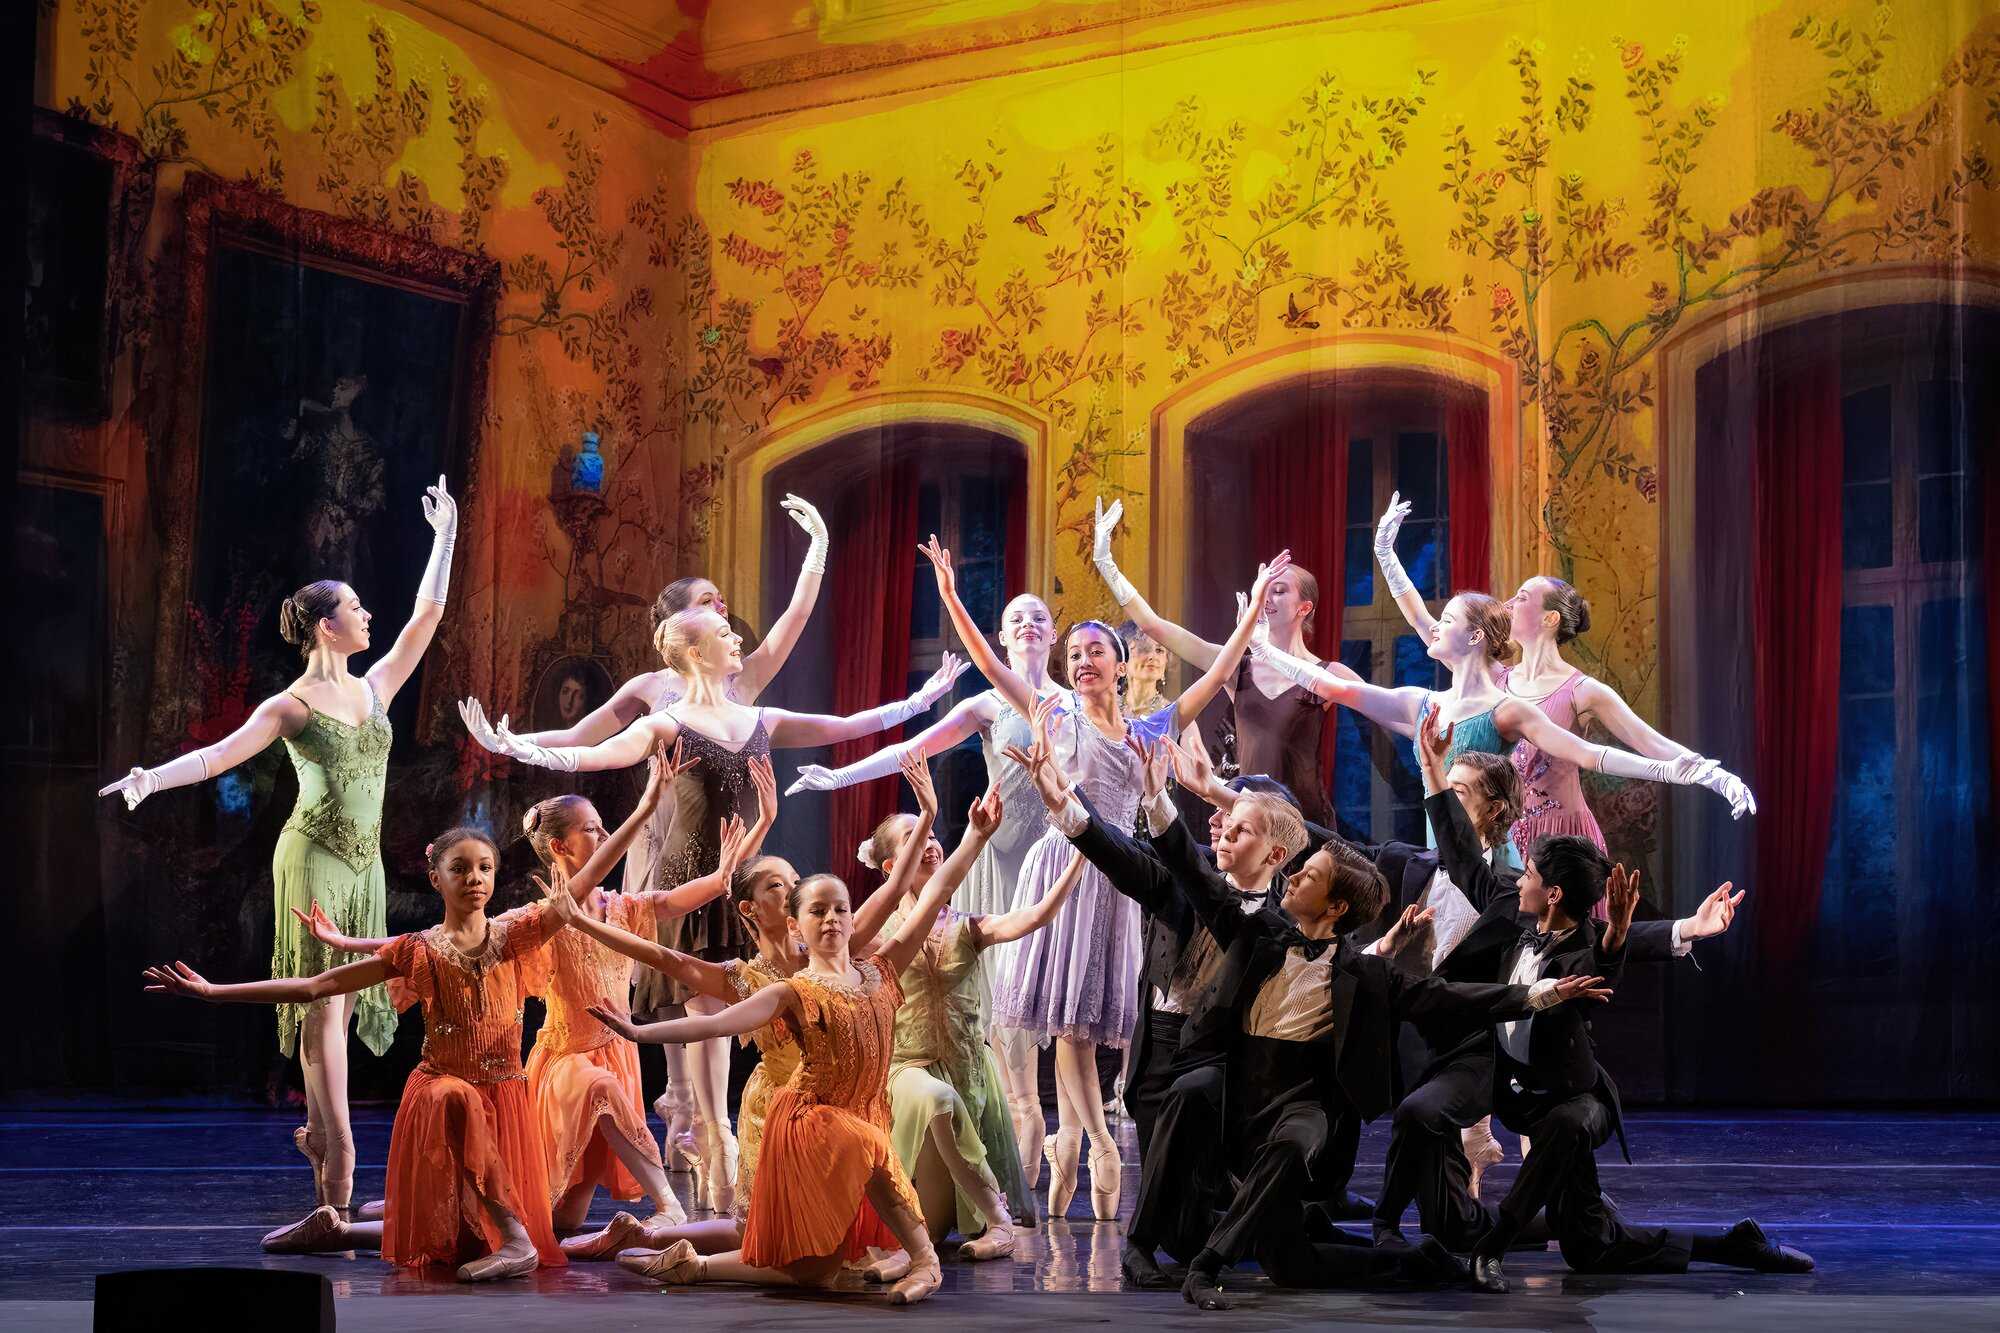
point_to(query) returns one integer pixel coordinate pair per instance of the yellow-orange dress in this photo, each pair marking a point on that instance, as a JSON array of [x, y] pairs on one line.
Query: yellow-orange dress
[[827, 1131], [778, 1062], [465, 1130], [579, 1070]]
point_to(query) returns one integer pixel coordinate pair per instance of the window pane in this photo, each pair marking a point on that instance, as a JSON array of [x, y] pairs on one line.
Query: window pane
[[930, 508], [925, 608], [1361, 483], [1417, 473], [1353, 773], [1360, 571], [1953, 786], [1864, 917], [1420, 547], [1864, 429], [1866, 525], [1409, 823], [1941, 519], [1941, 434], [1867, 650], [978, 519], [979, 586]]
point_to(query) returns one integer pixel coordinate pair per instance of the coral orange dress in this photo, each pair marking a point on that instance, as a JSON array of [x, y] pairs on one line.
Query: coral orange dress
[[780, 1060], [827, 1132], [580, 1071], [465, 1130]]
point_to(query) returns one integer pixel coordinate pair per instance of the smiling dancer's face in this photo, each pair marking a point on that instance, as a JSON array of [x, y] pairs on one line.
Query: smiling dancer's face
[[1026, 627], [346, 630], [717, 649], [932, 853], [1094, 667]]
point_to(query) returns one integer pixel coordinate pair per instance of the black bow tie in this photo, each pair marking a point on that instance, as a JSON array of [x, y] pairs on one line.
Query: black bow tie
[[1312, 948], [1537, 941]]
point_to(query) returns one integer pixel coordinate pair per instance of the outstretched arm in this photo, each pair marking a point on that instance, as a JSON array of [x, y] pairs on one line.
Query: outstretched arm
[[1197, 696], [981, 819], [882, 903], [625, 749], [388, 675], [1015, 690], [279, 715], [990, 930], [1182, 643], [1395, 709], [966, 717], [633, 701], [745, 1016], [793, 731], [768, 658], [1518, 717], [662, 767], [1408, 600], [320, 926], [696, 974], [180, 979]]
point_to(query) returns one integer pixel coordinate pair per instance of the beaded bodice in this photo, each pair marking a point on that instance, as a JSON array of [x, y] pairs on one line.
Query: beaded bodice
[[576, 971], [715, 787], [846, 1033], [342, 771], [472, 999], [941, 1021]]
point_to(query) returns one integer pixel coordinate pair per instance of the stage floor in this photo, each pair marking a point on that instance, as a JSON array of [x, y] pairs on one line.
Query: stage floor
[[1902, 1212]]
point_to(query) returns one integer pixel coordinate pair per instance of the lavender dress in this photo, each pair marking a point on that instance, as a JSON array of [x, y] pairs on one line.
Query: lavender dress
[[1078, 976]]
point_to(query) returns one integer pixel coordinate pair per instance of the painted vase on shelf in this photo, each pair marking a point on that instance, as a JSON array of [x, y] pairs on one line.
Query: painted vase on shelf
[[586, 474]]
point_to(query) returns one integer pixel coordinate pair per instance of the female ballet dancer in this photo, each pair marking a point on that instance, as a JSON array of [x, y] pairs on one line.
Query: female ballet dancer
[[647, 862], [1278, 724], [1027, 633], [759, 891], [336, 727], [827, 1158], [944, 1083], [467, 1179], [724, 736], [1077, 984], [1145, 671]]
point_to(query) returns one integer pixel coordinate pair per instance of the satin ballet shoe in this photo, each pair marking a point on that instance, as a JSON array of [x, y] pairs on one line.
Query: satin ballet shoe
[[313, 1148], [1062, 1149], [500, 1265], [676, 1266], [619, 1234], [925, 1275], [722, 1156], [679, 1150], [885, 1265], [699, 1162], [318, 1230], [372, 1211], [673, 1215], [1107, 1179], [1481, 1151]]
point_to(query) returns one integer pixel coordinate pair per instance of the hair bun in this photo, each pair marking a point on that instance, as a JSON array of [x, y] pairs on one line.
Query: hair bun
[[533, 819], [289, 616], [1581, 625], [865, 854], [1508, 653]]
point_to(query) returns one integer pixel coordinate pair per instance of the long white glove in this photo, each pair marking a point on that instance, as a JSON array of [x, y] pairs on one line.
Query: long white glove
[[182, 771], [885, 762], [1296, 669], [1686, 770], [808, 518], [932, 690], [441, 512], [502, 741], [1104, 523], [1393, 576]]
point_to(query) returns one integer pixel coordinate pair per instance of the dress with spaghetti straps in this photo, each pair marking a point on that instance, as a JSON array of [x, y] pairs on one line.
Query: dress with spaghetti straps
[[1479, 732], [1552, 789], [1281, 738], [716, 787], [330, 853]]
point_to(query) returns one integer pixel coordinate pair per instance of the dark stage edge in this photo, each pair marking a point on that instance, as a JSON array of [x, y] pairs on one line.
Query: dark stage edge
[[1902, 1212]]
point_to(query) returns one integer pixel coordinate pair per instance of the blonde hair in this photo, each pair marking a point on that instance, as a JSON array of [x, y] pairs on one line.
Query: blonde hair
[[551, 819], [677, 635], [1282, 824], [1489, 616], [1308, 586]]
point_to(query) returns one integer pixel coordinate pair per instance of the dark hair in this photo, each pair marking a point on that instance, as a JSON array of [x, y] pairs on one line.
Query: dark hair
[[551, 819], [1117, 646], [744, 882], [800, 889], [1129, 631], [451, 837], [299, 615], [1357, 882], [676, 596], [1266, 785], [1575, 866], [1572, 608], [1489, 616], [1499, 785]]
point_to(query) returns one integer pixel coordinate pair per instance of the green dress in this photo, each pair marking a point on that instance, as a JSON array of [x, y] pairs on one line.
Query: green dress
[[330, 852], [941, 1039]]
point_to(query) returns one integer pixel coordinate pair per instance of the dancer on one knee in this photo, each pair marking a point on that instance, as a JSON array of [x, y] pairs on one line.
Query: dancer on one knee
[[468, 1175], [646, 865], [724, 736], [1076, 984], [336, 727], [1027, 633], [944, 1083], [827, 1158]]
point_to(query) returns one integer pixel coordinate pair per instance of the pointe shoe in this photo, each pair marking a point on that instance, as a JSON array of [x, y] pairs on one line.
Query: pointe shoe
[[316, 1231], [676, 1266], [888, 1266], [1062, 1149], [678, 1149], [1107, 1180], [499, 1265], [1029, 1130], [925, 1276], [699, 1162], [721, 1153], [313, 1148], [1481, 1151], [619, 1234], [372, 1211]]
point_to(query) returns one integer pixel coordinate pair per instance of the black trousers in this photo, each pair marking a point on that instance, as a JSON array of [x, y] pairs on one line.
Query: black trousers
[[1146, 1086], [1179, 1174], [1426, 1163], [1560, 1175]]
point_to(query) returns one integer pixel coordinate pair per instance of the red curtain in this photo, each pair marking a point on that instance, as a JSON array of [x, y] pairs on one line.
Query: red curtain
[[1470, 479], [1298, 502], [871, 628], [1796, 604]]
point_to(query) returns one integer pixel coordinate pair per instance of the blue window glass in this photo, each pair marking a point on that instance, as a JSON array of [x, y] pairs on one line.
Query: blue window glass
[[1865, 434], [979, 586], [979, 519], [1941, 524], [1867, 650], [1417, 546], [1941, 433], [1353, 770], [1360, 566], [1867, 525]]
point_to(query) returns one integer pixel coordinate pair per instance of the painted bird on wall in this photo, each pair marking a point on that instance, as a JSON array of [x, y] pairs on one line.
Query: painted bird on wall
[[1033, 221]]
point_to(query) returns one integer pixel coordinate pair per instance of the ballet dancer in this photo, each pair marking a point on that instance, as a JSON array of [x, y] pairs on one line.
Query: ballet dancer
[[1278, 724], [648, 862], [827, 1155], [1076, 984], [335, 725], [724, 736], [468, 1175], [1027, 633]]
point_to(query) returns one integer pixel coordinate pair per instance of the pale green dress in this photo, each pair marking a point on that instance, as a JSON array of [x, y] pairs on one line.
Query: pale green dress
[[330, 852], [941, 1040]]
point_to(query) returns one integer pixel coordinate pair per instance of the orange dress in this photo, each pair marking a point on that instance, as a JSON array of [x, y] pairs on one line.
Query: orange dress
[[465, 1130], [827, 1131], [580, 1071], [779, 1061]]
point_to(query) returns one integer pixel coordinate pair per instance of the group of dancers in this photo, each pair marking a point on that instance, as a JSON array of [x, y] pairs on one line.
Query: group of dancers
[[896, 1098]]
